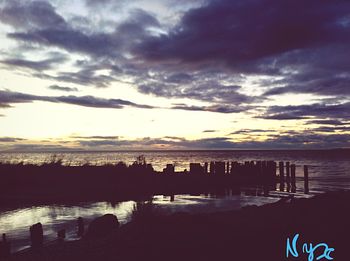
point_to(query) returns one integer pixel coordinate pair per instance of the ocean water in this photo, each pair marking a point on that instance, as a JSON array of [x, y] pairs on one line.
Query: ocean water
[[328, 170]]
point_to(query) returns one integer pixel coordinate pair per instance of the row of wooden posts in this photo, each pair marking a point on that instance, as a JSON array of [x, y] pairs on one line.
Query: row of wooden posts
[[289, 176], [37, 237], [266, 169]]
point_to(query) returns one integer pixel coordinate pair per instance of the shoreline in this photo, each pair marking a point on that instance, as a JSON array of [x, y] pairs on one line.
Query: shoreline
[[218, 235]]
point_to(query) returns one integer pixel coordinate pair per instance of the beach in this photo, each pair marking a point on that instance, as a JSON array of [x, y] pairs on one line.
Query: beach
[[252, 233]]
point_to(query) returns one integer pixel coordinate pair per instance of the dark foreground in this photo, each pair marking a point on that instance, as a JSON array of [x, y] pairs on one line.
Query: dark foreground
[[253, 233]]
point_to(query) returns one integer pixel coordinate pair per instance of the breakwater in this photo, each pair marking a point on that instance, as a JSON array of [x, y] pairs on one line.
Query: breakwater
[[54, 182]]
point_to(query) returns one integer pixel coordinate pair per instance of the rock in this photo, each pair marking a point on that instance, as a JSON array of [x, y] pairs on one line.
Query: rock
[[36, 235], [103, 226]]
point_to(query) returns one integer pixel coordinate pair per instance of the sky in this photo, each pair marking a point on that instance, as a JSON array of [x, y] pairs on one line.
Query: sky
[[174, 74]]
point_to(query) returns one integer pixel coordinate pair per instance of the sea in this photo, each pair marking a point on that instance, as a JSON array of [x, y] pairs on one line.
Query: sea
[[329, 170]]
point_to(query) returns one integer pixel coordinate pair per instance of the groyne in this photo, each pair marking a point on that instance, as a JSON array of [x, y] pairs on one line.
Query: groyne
[[54, 182]]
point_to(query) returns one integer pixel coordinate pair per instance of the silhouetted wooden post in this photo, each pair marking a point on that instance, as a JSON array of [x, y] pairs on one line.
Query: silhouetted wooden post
[[81, 227], [5, 247], [288, 175], [293, 179], [212, 168], [206, 168], [288, 171], [266, 171], [281, 169], [274, 174], [36, 235], [306, 179]]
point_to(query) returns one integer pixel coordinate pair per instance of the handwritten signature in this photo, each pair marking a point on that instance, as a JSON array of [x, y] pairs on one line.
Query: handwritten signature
[[308, 249]]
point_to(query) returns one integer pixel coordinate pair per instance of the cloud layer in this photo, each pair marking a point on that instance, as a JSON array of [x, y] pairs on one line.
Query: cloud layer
[[219, 56], [7, 98]]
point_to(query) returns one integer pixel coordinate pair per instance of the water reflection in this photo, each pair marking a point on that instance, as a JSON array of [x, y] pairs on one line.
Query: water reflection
[[16, 223]]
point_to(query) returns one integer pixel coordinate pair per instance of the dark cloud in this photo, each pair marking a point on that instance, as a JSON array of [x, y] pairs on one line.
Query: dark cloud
[[90, 101], [328, 122], [305, 44], [282, 116], [4, 105], [99, 44], [332, 129], [206, 131], [219, 143], [36, 147], [250, 131], [96, 137], [42, 65], [225, 31], [82, 77], [211, 108], [10, 139], [324, 84], [42, 25], [174, 138], [99, 143], [30, 15], [208, 91], [318, 110], [139, 20], [311, 140], [62, 88], [179, 78], [9, 97]]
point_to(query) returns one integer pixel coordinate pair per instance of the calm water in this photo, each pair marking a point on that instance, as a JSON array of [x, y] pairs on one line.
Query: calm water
[[328, 170]]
